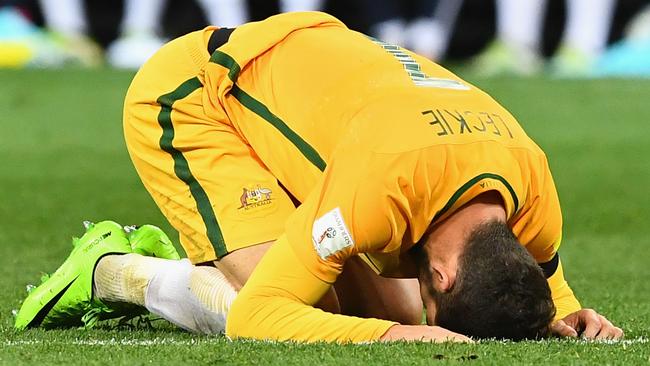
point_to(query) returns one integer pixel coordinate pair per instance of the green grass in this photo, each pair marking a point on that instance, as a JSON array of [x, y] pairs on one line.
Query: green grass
[[64, 160]]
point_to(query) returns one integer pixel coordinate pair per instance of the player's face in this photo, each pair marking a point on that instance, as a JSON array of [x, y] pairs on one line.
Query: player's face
[[430, 309], [437, 262], [429, 294]]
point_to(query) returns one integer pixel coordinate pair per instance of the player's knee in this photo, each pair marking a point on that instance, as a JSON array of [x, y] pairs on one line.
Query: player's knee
[[409, 314], [407, 308]]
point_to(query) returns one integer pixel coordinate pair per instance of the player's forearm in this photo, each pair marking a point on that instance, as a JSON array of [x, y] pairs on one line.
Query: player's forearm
[[423, 333], [563, 297], [275, 304], [281, 318]]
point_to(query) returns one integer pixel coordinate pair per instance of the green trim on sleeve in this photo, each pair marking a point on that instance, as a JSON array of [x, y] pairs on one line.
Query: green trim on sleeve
[[181, 166], [471, 183]]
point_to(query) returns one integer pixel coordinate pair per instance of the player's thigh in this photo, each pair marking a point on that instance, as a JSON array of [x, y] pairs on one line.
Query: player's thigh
[[361, 292], [217, 195], [210, 185], [238, 265], [207, 181]]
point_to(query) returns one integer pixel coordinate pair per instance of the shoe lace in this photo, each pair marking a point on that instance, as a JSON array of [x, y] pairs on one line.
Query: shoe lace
[[92, 316], [135, 321], [130, 320]]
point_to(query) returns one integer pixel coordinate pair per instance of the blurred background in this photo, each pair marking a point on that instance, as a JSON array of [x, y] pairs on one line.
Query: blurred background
[[561, 38]]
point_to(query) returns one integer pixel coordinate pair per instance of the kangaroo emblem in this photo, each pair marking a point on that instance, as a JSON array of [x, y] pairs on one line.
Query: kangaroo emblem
[[256, 197]]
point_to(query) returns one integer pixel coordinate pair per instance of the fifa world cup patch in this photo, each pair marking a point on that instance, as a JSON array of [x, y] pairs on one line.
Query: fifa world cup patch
[[330, 234], [252, 197]]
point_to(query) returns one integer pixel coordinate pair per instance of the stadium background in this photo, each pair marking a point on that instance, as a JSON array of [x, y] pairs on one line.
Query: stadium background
[[474, 28]]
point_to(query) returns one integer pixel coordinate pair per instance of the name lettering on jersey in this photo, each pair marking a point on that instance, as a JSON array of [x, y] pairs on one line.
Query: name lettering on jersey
[[252, 197], [330, 234], [451, 122], [414, 70]]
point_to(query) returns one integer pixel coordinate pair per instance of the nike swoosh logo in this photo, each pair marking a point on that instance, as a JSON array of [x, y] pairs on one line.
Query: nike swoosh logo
[[38, 319]]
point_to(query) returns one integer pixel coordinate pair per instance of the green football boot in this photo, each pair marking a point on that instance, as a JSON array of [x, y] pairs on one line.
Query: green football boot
[[151, 241], [65, 299]]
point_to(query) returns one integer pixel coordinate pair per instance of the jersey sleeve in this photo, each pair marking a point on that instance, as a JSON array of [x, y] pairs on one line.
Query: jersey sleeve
[[542, 236], [361, 206], [563, 297], [356, 208], [276, 304]]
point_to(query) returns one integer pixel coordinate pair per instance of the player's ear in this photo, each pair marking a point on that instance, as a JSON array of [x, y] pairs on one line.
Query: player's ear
[[443, 279]]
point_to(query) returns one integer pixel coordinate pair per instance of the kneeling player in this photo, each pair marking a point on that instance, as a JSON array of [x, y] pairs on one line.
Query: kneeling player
[[304, 159]]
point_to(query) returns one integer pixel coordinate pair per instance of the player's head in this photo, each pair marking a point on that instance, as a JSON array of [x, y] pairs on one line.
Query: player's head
[[499, 290]]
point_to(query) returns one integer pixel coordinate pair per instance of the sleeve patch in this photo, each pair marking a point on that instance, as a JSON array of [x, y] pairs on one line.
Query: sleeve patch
[[330, 235]]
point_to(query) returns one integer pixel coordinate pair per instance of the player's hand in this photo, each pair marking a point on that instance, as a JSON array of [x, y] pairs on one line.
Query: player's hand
[[588, 324], [422, 333]]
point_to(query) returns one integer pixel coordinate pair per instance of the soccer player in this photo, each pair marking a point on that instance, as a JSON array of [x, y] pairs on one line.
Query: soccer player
[[517, 47], [303, 159]]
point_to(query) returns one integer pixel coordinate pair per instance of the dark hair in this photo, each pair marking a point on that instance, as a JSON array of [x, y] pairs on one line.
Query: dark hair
[[499, 292]]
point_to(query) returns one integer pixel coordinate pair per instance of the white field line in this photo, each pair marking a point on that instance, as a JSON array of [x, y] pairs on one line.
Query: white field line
[[111, 342], [621, 342], [193, 342], [640, 340]]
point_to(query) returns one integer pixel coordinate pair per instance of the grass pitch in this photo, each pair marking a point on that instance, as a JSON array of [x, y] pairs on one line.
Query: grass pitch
[[64, 161]]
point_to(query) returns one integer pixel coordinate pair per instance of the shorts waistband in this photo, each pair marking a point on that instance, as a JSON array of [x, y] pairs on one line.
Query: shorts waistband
[[218, 38]]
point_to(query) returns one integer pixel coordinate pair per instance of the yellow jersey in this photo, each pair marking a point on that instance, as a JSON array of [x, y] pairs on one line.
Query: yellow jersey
[[377, 143]]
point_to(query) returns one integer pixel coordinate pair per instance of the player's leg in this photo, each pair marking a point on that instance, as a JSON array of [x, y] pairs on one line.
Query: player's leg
[[205, 179], [386, 20], [431, 29], [300, 5], [208, 183], [226, 13], [585, 37], [361, 292], [195, 298], [139, 34], [516, 47], [67, 19], [519, 22], [64, 297], [238, 265]]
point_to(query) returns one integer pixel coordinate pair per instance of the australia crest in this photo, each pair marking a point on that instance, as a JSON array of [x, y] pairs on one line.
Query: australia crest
[[257, 196]]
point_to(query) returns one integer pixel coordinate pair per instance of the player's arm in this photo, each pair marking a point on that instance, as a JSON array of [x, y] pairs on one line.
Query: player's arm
[[348, 213], [541, 233], [276, 303], [563, 297], [570, 319]]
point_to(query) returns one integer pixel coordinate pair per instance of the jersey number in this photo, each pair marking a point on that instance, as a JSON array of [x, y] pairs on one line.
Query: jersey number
[[414, 70]]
